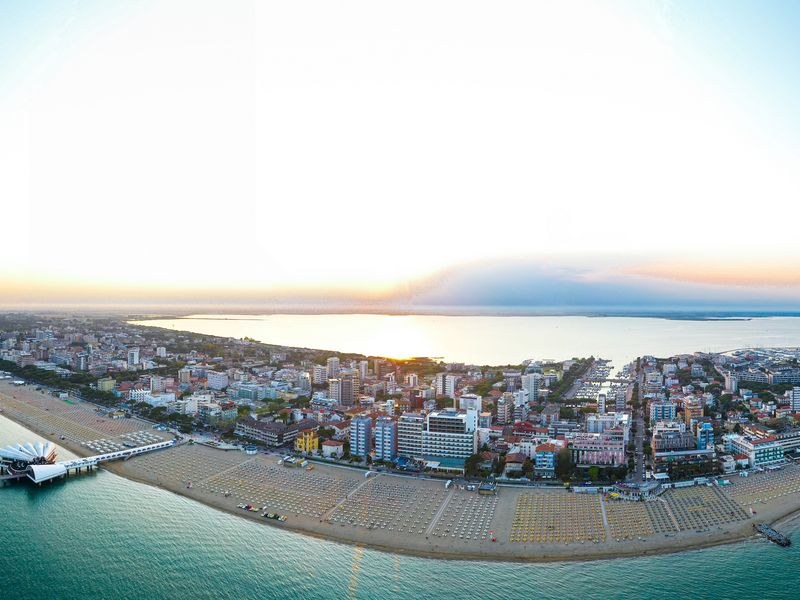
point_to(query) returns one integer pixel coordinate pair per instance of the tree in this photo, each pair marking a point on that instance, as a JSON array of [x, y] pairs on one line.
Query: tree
[[564, 464], [471, 465], [594, 473], [527, 468], [566, 413]]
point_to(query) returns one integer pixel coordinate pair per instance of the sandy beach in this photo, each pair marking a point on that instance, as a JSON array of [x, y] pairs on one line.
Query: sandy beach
[[419, 516]]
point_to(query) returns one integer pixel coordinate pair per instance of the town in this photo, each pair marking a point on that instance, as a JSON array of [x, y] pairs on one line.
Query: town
[[544, 452]]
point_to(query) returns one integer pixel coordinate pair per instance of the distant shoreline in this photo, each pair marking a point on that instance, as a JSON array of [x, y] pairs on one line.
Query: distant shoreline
[[254, 315], [158, 312]]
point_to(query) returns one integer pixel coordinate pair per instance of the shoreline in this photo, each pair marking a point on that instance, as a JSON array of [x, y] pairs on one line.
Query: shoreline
[[460, 556], [503, 551], [257, 314]]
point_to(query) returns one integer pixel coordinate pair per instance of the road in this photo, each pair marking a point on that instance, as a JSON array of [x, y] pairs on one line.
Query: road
[[637, 475], [639, 469]]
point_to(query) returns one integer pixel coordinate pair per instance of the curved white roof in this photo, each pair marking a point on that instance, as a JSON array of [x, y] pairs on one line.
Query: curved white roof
[[29, 452], [39, 473]]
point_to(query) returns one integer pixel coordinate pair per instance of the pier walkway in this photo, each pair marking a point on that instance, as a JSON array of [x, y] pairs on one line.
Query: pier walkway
[[42, 473]]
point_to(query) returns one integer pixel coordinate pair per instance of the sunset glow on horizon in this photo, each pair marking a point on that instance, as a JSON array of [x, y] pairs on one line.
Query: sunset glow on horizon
[[170, 151]]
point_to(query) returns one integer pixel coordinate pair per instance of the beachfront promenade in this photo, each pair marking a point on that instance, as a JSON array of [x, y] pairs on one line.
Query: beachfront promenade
[[420, 515]]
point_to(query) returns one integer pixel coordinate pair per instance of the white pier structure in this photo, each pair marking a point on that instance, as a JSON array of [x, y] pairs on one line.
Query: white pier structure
[[45, 472]]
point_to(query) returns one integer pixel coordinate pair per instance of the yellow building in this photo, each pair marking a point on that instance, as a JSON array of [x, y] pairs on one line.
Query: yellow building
[[106, 384], [307, 441]]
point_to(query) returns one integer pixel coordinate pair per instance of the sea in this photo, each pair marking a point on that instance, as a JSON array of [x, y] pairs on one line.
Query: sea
[[497, 340], [102, 536]]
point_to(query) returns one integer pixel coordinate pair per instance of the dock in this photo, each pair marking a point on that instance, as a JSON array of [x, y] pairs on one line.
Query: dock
[[772, 535]]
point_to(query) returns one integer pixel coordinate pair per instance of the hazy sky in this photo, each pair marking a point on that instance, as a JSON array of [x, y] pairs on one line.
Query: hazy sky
[[317, 148]]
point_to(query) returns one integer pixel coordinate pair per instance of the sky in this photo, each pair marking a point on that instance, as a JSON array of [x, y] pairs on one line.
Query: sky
[[436, 152]]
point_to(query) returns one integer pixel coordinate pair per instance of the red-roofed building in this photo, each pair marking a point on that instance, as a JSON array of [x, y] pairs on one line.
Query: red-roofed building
[[514, 463], [332, 449]]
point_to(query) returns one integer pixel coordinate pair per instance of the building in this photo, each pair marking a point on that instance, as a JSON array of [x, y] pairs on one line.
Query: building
[[470, 402], [545, 459], [731, 382], [450, 434], [505, 409], [600, 449], [184, 375], [320, 374], [106, 384], [161, 352], [669, 440], [531, 383], [598, 423], [361, 436], [662, 410], [333, 367], [133, 357], [692, 411], [275, 433], [601, 403], [705, 436], [363, 369], [332, 449], [445, 385], [335, 389], [216, 380], [349, 389], [307, 441], [759, 451], [794, 399], [385, 438], [409, 435], [664, 462]]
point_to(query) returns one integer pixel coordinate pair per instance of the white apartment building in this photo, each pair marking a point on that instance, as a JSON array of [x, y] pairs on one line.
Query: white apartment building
[[409, 435], [450, 434]]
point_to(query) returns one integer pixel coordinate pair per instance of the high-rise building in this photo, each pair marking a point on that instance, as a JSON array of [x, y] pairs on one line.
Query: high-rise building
[[505, 409], [216, 380], [445, 385], [184, 375], [705, 436], [692, 411], [363, 369], [333, 367], [349, 387], [470, 401], [409, 435], [620, 400], [156, 383], [385, 438], [335, 390], [360, 436], [133, 357], [320, 374], [795, 399], [161, 352], [304, 381], [412, 380], [531, 383], [731, 382], [450, 434], [601, 403], [662, 411]]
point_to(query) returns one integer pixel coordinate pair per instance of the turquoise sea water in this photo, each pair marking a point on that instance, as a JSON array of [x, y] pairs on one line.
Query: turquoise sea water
[[102, 536]]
